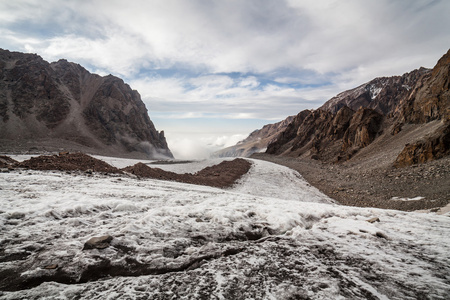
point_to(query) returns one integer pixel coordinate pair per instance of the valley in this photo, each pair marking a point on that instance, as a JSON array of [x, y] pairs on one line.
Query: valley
[[347, 201]]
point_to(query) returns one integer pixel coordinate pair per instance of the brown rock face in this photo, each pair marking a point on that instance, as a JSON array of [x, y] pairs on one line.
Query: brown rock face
[[430, 99], [63, 106], [27, 88], [433, 147], [363, 129], [286, 138], [327, 136]]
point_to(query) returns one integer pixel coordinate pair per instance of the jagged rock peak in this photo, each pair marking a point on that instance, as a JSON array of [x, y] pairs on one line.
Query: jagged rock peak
[[61, 105], [381, 94], [430, 99]]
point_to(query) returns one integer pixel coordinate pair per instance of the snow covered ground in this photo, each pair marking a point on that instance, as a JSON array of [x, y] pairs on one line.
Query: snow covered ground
[[272, 236]]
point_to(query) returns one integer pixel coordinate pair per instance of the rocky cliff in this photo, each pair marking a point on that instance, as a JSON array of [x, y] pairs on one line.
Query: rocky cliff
[[61, 106], [355, 118], [323, 135], [429, 101], [257, 141]]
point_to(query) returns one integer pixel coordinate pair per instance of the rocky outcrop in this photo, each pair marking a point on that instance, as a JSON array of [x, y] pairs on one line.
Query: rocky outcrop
[[98, 242], [257, 141], [286, 138], [60, 105], [326, 136], [364, 127], [433, 147], [430, 99], [335, 132], [29, 93]]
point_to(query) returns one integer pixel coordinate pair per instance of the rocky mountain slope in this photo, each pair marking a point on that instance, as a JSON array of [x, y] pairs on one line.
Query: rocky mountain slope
[[378, 109], [257, 141], [381, 94], [61, 106]]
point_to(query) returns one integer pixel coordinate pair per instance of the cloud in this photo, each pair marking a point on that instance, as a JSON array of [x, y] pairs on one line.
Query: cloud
[[212, 96], [227, 141], [235, 36], [188, 148], [200, 146]]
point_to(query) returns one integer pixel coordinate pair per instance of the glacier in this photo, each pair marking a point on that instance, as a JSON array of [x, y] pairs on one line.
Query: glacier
[[270, 236]]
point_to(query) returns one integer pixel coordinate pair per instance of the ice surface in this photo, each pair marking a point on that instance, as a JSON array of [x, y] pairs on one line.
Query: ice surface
[[121, 163], [272, 236], [192, 167]]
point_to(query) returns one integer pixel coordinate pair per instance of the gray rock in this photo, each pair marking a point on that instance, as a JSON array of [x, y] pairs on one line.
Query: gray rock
[[373, 220], [16, 215], [51, 267], [381, 235], [100, 242]]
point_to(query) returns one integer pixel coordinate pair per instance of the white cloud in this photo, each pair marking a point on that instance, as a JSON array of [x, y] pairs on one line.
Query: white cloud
[[249, 82], [224, 97], [188, 148], [238, 36], [200, 146]]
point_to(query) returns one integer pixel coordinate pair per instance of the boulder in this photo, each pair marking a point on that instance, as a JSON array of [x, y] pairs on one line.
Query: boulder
[[100, 242], [373, 220]]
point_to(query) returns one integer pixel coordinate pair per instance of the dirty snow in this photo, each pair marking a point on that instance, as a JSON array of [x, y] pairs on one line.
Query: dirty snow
[[272, 236], [407, 199], [374, 91]]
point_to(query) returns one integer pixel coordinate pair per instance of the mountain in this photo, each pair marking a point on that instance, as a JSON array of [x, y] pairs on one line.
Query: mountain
[[257, 141], [61, 106], [381, 94], [379, 109]]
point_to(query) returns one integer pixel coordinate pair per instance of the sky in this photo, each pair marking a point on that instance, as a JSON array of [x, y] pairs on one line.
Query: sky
[[212, 71]]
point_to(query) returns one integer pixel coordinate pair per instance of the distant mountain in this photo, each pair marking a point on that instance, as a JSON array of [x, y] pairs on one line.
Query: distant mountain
[[382, 94], [61, 106], [377, 110], [257, 141]]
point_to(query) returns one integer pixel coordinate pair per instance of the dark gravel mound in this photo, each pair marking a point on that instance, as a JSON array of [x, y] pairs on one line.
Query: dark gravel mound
[[142, 170], [222, 175], [6, 161], [67, 162]]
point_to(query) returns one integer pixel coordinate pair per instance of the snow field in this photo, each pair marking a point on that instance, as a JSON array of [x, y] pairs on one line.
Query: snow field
[[320, 249]]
